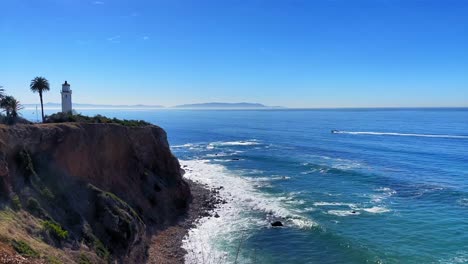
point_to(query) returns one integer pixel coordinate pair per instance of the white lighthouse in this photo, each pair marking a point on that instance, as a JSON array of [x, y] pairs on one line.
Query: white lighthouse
[[66, 98]]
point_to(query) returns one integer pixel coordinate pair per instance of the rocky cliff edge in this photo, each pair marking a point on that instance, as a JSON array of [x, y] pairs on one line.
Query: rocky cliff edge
[[76, 192]]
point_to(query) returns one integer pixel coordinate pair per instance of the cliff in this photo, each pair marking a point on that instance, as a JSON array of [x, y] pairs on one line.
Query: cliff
[[87, 192]]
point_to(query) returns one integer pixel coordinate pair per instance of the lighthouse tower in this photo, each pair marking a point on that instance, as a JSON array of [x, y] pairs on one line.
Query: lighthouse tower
[[66, 98]]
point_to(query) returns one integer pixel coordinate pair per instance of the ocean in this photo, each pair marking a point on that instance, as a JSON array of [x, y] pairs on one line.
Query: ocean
[[391, 186]]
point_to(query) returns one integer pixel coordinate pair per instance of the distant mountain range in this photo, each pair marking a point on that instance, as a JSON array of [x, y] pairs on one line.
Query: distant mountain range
[[91, 106], [213, 105], [216, 105]]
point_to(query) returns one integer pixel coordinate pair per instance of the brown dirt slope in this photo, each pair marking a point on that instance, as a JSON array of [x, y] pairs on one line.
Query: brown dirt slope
[[108, 186]]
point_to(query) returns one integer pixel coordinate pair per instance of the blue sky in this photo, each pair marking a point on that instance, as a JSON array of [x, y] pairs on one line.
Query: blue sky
[[297, 53]]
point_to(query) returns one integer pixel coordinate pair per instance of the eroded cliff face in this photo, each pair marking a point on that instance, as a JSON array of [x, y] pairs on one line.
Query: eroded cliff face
[[105, 184]]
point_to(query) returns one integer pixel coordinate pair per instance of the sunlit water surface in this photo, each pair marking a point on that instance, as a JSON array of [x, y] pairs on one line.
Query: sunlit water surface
[[389, 187]]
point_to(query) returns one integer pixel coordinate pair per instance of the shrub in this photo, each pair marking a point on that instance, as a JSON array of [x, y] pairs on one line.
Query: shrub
[[8, 120], [47, 193], [16, 202], [25, 161], [93, 241], [33, 206], [100, 249], [55, 229], [53, 260], [99, 119], [83, 259], [24, 249]]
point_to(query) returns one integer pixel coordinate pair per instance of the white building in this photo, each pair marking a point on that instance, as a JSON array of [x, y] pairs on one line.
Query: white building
[[66, 98]]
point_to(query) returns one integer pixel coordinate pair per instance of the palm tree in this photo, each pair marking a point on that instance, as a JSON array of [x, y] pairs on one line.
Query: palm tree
[[11, 107], [15, 107], [40, 85], [6, 103]]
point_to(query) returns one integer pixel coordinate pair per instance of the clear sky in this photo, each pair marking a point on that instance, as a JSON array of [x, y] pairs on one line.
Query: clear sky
[[296, 53]]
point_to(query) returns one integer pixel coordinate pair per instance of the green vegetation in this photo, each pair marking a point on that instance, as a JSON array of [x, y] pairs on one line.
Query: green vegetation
[[34, 206], [25, 162], [122, 202], [24, 249], [40, 85], [83, 259], [97, 119], [95, 243], [100, 249], [16, 203], [114, 197], [55, 230], [11, 107], [53, 260], [47, 193]]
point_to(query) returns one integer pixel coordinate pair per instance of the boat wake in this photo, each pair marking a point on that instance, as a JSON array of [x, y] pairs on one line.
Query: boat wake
[[397, 134]]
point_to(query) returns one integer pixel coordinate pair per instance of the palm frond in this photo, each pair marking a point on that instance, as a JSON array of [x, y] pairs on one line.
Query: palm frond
[[39, 84], [11, 106]]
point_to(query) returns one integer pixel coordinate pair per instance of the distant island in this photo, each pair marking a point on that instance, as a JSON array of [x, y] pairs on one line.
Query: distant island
[[93, 106], [212, 105], [217, 105]]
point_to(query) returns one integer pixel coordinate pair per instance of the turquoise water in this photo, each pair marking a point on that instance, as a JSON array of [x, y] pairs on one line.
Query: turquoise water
[[395, 192]]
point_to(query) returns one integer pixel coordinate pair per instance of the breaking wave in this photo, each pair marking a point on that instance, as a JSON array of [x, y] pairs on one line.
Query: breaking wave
[[235, 143], [246, 209]]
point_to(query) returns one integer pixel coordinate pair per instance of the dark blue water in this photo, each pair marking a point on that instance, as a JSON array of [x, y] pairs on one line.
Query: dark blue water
[[395, 192]]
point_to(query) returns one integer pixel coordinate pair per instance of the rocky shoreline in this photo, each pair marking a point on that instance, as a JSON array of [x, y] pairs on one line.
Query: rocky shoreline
[[166, 246], [102, 202]]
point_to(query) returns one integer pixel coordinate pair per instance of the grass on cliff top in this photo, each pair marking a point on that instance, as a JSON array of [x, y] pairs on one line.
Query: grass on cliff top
[[24, 249], [97, 119], [21, 230], [55, 229]]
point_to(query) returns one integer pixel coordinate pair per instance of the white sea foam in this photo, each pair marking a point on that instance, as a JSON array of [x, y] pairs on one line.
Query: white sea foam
[[376, 210], [224, 154], [183, 146], [241, 213], [334, 204], [343, 212], [357, 211], [399, 134], [384, 193], [250, 142], [210, 147], [267, 179], [309, 209], [323, 164], [463, 201], [354, 209], [348, 166], [460, 256], [213, 145], [306, 210]]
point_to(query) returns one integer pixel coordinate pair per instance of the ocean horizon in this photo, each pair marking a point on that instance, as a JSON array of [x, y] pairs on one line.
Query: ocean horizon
[[237, 132], [389, 187]]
